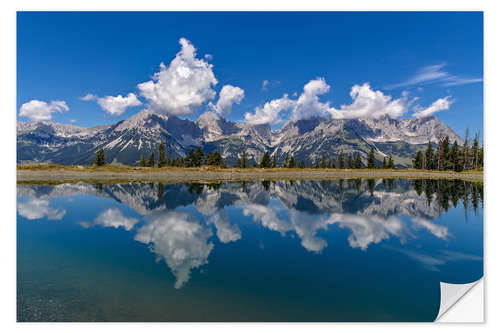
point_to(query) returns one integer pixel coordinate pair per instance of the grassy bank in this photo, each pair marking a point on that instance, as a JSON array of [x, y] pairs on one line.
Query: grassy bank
[[55, 174]]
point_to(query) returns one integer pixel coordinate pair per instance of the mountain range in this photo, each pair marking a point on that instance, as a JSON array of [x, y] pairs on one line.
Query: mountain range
[[307, 139]]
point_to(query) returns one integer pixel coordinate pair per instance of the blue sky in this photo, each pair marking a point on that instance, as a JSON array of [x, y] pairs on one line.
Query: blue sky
[[416, 63]]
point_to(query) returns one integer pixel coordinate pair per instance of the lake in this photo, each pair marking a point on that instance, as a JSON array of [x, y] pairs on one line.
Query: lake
[[343, 250]]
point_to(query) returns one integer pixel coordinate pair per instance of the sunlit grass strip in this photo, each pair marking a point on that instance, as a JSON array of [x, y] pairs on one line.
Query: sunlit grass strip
[[113, 174], [126, 168]]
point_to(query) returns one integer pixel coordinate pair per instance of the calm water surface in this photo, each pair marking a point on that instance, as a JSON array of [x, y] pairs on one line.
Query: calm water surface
[[349, 250]]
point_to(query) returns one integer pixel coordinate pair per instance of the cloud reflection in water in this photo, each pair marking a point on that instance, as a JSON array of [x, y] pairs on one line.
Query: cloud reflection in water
[[185, 241]]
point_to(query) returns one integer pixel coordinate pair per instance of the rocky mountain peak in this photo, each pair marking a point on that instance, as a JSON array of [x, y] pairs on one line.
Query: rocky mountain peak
[[142, 119], [214, 127], [50, 128], [261, 131], [302, 125]]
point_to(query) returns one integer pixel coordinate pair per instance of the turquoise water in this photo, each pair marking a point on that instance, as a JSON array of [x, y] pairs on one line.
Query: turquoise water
[[351, 250]]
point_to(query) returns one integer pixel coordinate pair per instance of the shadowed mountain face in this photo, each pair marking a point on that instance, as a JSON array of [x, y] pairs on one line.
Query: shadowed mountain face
[[309, 139]]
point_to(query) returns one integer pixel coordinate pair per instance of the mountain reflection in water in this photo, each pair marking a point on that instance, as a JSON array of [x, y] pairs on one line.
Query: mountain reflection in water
[[182, 224]]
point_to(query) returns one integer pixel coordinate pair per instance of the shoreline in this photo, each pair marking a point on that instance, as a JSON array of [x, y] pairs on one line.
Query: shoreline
[[182, 175]]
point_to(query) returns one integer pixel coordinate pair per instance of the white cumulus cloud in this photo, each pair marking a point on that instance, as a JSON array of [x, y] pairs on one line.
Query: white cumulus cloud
[[439, 105], [89, 97], [366, 103], [270, 112], [39, 110], [308, 103], [305, 106], [114, 105], [183, 85], [228, 96], [369, 103]]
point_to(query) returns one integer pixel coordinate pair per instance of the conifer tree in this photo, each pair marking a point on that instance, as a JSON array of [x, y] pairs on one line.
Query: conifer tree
[[418, 160], [442, 154], [210, 160], [302, 164], [438, 156], [100, 158], [190, 160], [178, 162], [151, 161], [143, 162], [162, 161], [199, 157], [465, 151], [475, 152], [341, 161], [215, 158], [274, 164], [350, 162], [384, 163], [481, 157], [390, 163], [454, 158], [243, 160], [429, 157], [323, 162], [371, 159], [266, 160], [358, 164], [291, 163], [446, 154]]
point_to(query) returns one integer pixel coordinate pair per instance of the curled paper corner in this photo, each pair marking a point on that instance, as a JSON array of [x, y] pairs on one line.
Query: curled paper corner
[[451, 294]]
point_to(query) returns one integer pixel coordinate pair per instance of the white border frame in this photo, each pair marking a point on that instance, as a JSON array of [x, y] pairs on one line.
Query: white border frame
[[8, 196]]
